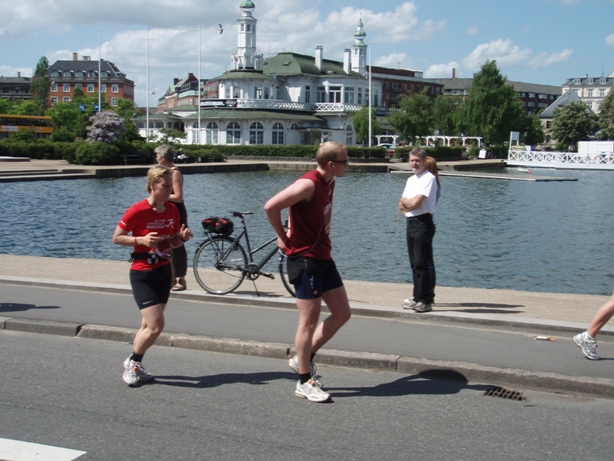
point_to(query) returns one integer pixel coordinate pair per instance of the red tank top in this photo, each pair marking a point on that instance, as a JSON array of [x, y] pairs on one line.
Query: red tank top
[[310, 221]]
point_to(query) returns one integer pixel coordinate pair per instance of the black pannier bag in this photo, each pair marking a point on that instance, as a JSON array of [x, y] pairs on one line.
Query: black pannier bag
[[218, 225]]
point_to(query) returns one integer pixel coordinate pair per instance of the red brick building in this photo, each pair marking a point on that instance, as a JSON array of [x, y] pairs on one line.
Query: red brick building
[[66, 76]]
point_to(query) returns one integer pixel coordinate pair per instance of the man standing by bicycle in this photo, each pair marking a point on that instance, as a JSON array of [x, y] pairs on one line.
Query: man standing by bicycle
[[310, 267]]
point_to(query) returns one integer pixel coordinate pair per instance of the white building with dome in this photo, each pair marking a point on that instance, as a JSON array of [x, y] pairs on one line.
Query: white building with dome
[[288, 98]]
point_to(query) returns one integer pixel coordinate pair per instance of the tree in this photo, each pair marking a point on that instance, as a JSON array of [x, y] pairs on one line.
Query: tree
[[572, 123], [360, 120], [25, 108], [447, 115], [414, 118], [106, 127], [40, 85], [493, 108], [533, 133], [170, 136], [606, 117]]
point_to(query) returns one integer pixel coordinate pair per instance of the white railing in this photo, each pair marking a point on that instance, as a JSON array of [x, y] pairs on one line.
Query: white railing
[[572, 160], [279, 104]]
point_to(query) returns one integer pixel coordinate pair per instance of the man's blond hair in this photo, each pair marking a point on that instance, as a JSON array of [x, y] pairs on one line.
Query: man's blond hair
[[329, 151]]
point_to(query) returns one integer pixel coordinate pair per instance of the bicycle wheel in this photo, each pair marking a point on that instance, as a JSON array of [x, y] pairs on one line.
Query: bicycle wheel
[[219, 265], [284, 274]]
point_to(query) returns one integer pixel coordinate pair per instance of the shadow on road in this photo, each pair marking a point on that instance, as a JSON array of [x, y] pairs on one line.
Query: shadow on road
[[15, 307]]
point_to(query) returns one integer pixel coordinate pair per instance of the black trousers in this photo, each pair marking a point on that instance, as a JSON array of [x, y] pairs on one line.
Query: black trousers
[[420, 233]]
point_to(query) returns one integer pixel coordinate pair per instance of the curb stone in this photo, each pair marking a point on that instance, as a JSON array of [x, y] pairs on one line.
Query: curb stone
[[458, 371]]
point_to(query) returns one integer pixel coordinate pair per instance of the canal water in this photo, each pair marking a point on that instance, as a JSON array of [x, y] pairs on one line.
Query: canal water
[[531, 236]]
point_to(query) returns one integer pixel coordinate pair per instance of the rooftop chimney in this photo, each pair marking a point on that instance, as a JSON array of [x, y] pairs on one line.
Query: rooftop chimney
[[319, 57], [75, 56], [453, 72], [347, 61]]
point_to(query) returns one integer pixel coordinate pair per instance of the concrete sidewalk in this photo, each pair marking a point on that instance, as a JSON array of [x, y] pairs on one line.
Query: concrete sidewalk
[[556, 311]]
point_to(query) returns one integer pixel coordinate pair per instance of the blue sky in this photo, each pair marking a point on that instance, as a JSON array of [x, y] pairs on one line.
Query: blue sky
[[536, 41]]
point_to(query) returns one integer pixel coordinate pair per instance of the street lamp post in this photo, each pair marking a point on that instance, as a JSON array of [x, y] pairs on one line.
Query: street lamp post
[[147, 85], [99, 73], [370, 96]]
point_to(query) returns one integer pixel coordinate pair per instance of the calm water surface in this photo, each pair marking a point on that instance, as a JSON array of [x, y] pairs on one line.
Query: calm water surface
[[545, 236]]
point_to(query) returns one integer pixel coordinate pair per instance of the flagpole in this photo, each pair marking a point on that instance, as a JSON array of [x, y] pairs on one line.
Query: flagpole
[[198, 99], [99, 74], [147, 89]]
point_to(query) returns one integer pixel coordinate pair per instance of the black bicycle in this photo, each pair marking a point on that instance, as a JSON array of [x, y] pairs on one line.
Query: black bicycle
[[221, 263]]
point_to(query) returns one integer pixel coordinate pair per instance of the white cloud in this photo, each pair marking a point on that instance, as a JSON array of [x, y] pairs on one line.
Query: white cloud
[[442, 70], [394, 61], [503, 51], [548, 59], [609, 40], [472, 30]]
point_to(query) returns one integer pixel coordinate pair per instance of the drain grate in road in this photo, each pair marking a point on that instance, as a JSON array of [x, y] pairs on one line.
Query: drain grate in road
[[496, 391]]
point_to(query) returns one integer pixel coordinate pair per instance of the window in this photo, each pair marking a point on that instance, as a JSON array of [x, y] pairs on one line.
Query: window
[[591, 81], [78, 85], [257, 93], [548, 123], [589, 104], [67, 73], [90, 87], [103, 88], [359, 100], [278, 134], [114, 102], [54, 99], [236, 92], [115, 88], [66, 99], [66, 87], [349, 95], [348, 136], [602, 92], [54, 88], [307, 94], [321, 96], [334, 94], [590, 93], [233, 133], [266, 92], [256, 133], [211, 135]]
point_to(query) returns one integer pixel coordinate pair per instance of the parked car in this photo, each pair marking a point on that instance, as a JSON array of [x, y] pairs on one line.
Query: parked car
[[390, 149]]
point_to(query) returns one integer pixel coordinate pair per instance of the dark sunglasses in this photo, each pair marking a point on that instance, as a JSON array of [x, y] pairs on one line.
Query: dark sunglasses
[[343, 162]]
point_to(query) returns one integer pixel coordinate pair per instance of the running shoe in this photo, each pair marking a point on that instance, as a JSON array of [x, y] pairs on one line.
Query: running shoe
[[131, 372], [313, 369], [423, 307], [311, 392], [588, 345], [409, 303]]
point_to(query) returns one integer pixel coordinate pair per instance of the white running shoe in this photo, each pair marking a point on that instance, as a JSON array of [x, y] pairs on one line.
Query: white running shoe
[[588, 345], [409, 303], [311, 392], [313, 369], [423, 307], [131, 374], [135, 372]]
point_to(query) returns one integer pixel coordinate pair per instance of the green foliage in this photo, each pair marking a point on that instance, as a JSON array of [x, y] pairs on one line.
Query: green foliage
[[42, 149], [40, 86], [415, 117], [533, 131], [99, 153], [606, 117], [62, 135], [493, 109], [170, 136], [27, 135], [572, 123], [25, 108], [360, 120], [447, 115]]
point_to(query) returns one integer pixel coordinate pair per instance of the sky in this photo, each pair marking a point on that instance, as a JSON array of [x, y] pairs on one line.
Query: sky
[[532, 41]]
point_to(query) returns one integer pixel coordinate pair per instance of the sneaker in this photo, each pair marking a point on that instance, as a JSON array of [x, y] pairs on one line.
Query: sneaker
[[131, 374], [409, 303], [588, 346], [313, 369], [423, 307], [311, 392]]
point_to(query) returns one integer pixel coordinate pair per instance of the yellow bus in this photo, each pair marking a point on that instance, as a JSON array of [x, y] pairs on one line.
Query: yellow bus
[[11, 124]]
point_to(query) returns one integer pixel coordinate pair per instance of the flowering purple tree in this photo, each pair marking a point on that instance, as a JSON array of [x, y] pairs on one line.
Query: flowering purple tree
[[106, 126]]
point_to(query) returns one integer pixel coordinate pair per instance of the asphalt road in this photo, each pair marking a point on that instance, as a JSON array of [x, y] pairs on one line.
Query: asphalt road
[[67, 392], [483, 346]]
